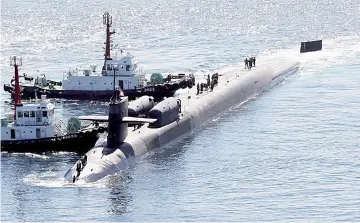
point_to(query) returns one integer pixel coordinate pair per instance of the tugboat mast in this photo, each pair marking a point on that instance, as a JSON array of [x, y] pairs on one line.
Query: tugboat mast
[[15, 62], [107, 20]]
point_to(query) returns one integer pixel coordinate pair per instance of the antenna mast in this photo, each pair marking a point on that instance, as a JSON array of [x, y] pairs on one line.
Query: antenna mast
[[107, 20], [16, 62]]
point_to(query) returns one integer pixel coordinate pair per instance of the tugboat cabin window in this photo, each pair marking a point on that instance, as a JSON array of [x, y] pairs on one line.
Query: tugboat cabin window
[[12, 133], [127, 67], [20, 114], [32, 114], [44, 113], [26, 114]]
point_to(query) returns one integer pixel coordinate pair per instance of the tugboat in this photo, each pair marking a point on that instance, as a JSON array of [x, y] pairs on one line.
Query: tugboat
[[32, 127], [93, 86]]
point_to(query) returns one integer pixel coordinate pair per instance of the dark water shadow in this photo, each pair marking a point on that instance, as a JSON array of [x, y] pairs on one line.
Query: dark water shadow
[[120, 193]]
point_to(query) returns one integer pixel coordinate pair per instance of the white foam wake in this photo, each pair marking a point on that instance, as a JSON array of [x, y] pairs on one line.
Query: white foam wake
[[335, 52]]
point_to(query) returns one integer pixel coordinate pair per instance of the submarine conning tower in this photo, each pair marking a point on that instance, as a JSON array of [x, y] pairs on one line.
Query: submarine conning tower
[[117, 130]]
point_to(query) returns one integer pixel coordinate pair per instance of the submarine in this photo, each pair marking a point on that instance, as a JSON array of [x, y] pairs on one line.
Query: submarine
[[157, 125]]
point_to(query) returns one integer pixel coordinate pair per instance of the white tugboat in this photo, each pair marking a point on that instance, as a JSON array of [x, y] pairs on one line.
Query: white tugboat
[[32, 127], [96, 86]]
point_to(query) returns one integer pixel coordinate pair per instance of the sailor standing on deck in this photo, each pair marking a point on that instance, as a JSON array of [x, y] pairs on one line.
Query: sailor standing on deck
[[84, 161], [78, 168], [246, 63], [208, 81]]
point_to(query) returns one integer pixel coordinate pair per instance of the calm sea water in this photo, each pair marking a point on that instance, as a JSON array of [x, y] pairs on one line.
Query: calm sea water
[[292, 154]]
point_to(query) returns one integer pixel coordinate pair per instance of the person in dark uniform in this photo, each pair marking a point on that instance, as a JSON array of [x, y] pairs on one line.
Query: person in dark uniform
[[208, 81], [83, 161], [198, 88], [254, 61], [246, 63], [250, 64], [193, 79], [215, 77], [78, 168], [251, 61]]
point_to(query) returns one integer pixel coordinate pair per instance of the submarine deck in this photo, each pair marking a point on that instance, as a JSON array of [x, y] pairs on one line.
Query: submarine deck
[[189, 97]]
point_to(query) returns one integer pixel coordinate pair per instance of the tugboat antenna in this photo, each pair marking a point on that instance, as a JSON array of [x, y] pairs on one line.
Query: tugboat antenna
[[16, 62], [107, 20]]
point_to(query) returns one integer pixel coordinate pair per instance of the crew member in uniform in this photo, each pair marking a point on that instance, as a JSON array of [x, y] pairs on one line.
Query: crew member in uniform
[[83, 161], [215, 78], [78, 168], [246, 63], [208, 81]]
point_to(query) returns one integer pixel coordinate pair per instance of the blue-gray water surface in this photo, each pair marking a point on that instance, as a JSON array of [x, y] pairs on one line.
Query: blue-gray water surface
[[291, 154]]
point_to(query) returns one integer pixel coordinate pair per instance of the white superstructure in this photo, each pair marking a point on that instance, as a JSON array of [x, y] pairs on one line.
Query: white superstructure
[[32, 121], [127, 76]]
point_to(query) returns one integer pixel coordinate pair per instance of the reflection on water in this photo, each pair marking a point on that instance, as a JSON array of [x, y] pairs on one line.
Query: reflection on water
[[20, 209], [120, 193]]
